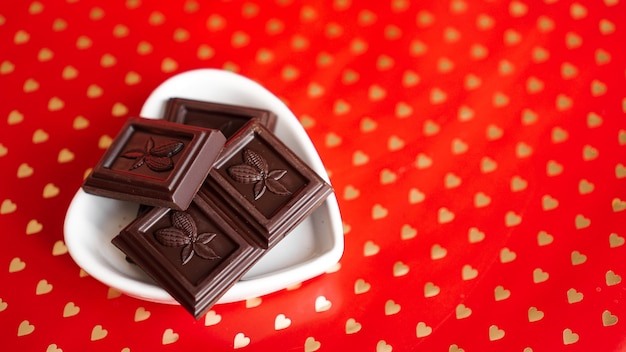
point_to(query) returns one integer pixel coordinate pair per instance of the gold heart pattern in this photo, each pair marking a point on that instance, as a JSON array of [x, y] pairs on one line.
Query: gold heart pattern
[[476, 150]]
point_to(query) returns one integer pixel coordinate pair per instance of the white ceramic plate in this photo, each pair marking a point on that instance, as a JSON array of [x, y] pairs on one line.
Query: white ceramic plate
[[311, 249]]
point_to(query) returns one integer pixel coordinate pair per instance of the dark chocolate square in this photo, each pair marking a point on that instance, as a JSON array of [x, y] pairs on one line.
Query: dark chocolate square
[[156, 162], [195, 255], [264, 185], [225, 117]]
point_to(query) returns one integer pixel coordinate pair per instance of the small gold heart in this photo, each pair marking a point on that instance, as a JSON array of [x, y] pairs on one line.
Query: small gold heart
[[500, 99], [622, 137], [70, 310], [478, 52], [534, 314], [315, 90], [585, 187], [462, 311], [612, 278], [455, 348], [506, 255], [416, 196], [104, 142], [518, 184], [598, 88], [253, 302], [55, 104], [544, 238], [606, 26], [370, 249], [445, 215], [563, 102], [350, 193], [3, 150], [311, 345], [481, 200], [423, 161], [468, 273], [359, 158], [119, 110], [451, 180], [582, 222], [494, 132], [618, 205], [445, 65], [487, 165], [349, 77], [495, 333], [59, 248], [589, 153], [376, 93], [69, 72], [341, 107], [569, 337], [15, 117], [384, 62], [437, 252], [21, 37], [113, 293], [407, 232], [40, 136], [33, 226], [423, 330], [332, 140], [16, 265], [96, 14], [6, 67], [568, 71], [141, 314], [523, 150], [379, 212], [431, 290], [395, 143], [459, 146], [438, 96], [169, 337], [465, 113], [559, 135], [500, 293], [144, 48], [573, 40], [400, 269], [65, 155], [472, 82], [30, 85], [322, 304], [43, 287], [212, 318], [387, 176], [59, 25], [430, 128], [307, 121], [368, 125], [352, 326], [512, 37], [50, 191], [574, 296], [108, 60], [615, 240], [80, 123], [382, 346], [549, 203], [24, 170], [361, 286], [577, 11], [512, 219], [391, 307], [25, 328], [180, 35], [578, 258], [540, 276], [169, 65], [281, 322], [475, 235], [620, 171], [3, 305], [553, 168], [608, 319], [94, 91], [410, 79]]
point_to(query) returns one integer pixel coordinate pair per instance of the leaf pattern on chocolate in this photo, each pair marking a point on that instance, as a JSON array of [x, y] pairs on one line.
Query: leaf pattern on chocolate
[[256, 170], [184, 233], [156, 158]]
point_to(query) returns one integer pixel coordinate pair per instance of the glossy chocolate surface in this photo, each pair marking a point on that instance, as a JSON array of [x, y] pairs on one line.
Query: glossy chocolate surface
[[264, 185], [224, 117], [156, 162], [195, 255]]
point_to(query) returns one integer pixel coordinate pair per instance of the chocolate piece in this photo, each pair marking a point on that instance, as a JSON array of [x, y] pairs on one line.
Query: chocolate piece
[[227, 118], [156, 162], [263, 185], [195, 255]]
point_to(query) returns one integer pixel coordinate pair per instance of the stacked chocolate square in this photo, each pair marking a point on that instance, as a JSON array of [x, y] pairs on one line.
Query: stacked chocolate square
[[220, 189]]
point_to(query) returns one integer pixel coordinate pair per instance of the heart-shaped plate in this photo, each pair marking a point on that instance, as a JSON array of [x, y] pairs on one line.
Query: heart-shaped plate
[[308, 251]]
